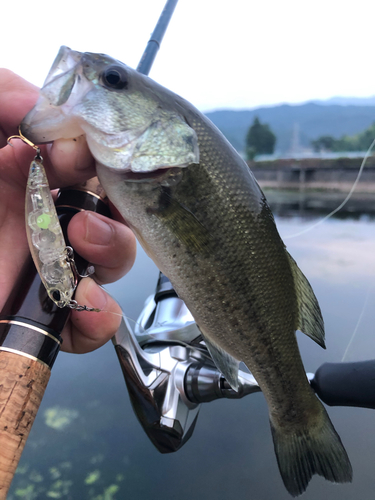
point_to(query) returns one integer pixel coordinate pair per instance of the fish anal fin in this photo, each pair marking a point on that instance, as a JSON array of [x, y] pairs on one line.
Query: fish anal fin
[[225, 362], [310, 321]]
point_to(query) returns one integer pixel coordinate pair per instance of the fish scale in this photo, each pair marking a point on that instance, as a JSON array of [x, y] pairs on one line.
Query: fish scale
[[199, 213]]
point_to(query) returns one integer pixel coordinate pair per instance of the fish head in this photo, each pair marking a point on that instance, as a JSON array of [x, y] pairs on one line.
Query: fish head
[[131, 123]]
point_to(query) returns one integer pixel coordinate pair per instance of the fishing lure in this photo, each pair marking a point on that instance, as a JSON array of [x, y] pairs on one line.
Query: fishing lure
[[46, 239], [53, 259]]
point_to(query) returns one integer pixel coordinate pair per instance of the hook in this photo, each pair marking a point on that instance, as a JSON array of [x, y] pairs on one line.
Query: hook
[[26, 141]]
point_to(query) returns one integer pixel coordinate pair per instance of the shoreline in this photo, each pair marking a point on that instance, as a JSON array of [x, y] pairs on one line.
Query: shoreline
[[345, 187], [332, 175]]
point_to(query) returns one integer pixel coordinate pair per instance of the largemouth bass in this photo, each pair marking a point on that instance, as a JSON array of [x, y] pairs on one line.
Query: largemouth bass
[[199, 213]]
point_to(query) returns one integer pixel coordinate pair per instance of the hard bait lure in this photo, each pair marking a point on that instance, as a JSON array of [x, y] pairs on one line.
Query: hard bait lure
[[53, 259], [51, 256]]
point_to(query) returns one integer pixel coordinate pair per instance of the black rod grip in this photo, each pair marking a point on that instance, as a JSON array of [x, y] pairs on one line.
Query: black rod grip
[[346, 384]]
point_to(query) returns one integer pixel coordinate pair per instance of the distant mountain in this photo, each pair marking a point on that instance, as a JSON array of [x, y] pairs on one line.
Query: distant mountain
[[347, 101], [295, 124]]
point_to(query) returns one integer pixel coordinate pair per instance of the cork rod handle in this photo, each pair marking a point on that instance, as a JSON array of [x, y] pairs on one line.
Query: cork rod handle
[[22, 385]]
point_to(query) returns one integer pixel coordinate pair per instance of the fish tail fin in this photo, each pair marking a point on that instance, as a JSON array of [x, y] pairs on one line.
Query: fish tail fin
[[314, 449]]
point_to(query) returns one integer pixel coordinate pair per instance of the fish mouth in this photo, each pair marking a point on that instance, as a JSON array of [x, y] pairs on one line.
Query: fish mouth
[[153, 176], [65, 60], [47, 121]]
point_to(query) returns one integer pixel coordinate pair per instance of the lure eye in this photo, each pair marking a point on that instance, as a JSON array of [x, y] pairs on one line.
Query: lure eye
[[115, 77], [56, 295]]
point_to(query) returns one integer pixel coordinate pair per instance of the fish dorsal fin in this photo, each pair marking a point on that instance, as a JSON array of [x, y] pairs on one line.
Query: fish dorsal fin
[[310, 319], [225, 362]]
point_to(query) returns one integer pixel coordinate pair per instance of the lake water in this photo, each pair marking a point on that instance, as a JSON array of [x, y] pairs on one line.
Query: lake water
[[86, 442]]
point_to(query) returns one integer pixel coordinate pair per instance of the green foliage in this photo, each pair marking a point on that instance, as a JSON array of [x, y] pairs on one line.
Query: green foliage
[[259, 139], [92, 477], [314, 121], [357, 142], [325, 142], [59, 418], [26, 493]]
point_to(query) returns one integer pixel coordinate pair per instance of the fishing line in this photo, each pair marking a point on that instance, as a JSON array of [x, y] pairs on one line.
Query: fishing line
[[313, 226], [137, 323], [96, 310], [358, 322]]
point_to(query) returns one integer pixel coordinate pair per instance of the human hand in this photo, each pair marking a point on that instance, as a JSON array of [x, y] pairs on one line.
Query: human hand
[[108, 244]]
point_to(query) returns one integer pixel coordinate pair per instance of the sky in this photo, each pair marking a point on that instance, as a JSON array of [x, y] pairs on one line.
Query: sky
[[217, 54]]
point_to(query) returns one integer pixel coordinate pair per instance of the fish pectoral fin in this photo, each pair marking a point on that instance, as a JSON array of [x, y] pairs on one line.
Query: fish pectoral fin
[[310, 321], [225, 362], [185, 226], [168, 142]]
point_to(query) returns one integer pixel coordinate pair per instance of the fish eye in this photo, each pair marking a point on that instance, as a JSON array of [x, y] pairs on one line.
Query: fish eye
[[115, 77]]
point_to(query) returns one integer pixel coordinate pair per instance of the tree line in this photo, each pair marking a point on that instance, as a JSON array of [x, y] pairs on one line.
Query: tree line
[[357, 142], [261, 140]]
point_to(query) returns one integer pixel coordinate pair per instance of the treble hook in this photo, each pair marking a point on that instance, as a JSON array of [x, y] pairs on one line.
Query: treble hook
[[26, 141]]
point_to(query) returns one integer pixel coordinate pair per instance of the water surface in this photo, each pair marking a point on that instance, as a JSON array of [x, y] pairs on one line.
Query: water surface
[[87, 444]]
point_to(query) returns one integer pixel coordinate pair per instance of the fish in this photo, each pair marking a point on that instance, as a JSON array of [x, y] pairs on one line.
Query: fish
[[199, 213]]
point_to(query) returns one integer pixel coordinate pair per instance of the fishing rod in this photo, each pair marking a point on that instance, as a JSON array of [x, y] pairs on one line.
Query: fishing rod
[[157, 36], [30, 322], [167, 367]]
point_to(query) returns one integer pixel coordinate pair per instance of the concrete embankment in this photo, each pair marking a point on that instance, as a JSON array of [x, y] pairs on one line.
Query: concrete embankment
[[336, 174]]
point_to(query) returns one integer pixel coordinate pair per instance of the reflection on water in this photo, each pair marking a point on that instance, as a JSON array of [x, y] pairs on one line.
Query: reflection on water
[[310, 204], [87, 444]]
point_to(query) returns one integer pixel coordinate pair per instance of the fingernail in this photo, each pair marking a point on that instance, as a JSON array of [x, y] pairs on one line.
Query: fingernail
[[98, 232]]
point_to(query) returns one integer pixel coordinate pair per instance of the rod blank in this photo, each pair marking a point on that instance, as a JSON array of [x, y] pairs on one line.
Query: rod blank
[[153, 45]]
